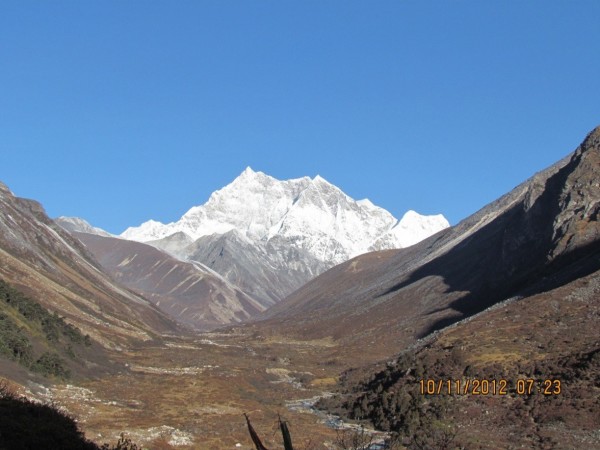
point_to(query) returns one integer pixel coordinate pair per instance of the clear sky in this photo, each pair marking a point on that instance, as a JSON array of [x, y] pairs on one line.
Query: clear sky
[[122, 111]]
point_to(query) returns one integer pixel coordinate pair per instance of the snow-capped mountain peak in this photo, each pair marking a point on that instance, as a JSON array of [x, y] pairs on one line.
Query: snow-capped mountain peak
[[310, 214], [248, 171], [414, 227]]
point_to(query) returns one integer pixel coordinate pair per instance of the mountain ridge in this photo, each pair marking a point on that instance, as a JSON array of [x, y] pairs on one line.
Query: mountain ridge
[[77, 224], [523, 240], [43, 260], [189, 292]]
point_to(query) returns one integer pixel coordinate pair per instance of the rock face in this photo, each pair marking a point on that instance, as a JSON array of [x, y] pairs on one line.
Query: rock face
[[270, 237], [541, 235], [265, 270], [41, 259], [576, 224]]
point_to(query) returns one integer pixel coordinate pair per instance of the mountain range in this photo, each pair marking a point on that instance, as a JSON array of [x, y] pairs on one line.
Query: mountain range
[[264, 237], [509, 299], [313, 214]]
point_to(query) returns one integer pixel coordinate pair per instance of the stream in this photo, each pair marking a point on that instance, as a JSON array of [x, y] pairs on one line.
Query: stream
[[307, 405]]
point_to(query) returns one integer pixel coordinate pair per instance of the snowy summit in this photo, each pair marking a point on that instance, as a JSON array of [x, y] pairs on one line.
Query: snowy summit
[[310, 214]]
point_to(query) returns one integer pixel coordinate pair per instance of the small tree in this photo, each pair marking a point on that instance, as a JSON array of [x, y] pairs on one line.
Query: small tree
[[124, 443], [353, 439], [434, 438]]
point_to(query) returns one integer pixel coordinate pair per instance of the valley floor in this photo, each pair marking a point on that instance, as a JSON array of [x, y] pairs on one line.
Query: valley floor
[[193, 392]]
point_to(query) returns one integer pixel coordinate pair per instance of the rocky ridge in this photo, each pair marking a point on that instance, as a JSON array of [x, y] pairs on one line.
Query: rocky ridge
[[75, 224], [540, 235]]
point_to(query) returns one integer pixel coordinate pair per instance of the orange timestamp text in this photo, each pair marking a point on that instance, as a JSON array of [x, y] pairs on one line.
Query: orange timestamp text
[[477, 386]]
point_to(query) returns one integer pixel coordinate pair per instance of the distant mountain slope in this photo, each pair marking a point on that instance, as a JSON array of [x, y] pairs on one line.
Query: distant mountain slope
[[44, 261], [269, 237], [542, 234], [189, 292], [267, 271], [79, 225]]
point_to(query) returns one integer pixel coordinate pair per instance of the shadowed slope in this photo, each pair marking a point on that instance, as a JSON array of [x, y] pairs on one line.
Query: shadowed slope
[[543, 232], [550, 338]]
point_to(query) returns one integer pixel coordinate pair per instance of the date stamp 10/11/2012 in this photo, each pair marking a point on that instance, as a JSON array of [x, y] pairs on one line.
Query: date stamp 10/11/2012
[[476, 386]]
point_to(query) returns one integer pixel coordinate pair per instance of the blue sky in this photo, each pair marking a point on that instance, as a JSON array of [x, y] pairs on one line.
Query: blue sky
[[122, 111]]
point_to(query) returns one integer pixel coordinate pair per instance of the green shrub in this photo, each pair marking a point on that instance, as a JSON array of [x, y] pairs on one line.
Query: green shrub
[[61, 338], [51, 364], [13, 342], [52, 324]]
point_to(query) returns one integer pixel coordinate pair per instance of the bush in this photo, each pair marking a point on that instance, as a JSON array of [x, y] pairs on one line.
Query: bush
[[58, 337], [52, 324], [124, 443], [13, 342], [51, 364]]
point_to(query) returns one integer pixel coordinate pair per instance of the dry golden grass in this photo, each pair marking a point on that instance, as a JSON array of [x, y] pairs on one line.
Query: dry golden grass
[[327, 382]]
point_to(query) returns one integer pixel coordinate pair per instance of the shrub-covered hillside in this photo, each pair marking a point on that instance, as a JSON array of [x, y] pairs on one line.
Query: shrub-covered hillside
[[40, 341]]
